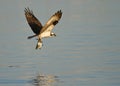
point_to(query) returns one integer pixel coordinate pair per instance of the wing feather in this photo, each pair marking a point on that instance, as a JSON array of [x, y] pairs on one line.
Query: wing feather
[[54, 19], [34, 23]]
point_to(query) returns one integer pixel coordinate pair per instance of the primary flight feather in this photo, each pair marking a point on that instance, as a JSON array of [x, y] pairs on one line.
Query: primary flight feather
[[39, 30]]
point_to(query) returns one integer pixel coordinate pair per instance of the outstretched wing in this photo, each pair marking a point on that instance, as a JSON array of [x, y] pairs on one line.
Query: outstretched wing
[[52, 22], [34, 23]]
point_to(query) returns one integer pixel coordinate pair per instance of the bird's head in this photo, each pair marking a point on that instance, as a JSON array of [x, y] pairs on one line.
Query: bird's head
[[52, 34]]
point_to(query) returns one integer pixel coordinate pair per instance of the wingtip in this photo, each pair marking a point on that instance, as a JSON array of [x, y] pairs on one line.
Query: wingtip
[[60, 11], [27, 10]]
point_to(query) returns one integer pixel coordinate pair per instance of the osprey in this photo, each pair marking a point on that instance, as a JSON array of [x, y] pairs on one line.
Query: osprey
[[39, 30]]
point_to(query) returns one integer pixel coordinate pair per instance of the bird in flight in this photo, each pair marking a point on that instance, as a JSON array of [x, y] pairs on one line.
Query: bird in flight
[[39, 30]]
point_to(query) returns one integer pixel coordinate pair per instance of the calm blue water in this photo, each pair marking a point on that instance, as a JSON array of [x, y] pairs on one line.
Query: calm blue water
[[86, 50]]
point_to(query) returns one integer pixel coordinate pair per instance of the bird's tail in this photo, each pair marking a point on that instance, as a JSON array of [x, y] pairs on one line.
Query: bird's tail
[[39, 44], [29, 37]]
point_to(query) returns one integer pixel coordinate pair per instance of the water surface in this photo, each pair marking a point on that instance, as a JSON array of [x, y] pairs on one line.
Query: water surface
[[86, 50]]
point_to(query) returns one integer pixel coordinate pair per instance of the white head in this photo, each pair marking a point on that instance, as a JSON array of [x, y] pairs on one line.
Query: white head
[[52, 34]]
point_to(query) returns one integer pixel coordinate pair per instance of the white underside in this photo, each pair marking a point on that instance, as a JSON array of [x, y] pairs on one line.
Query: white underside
[[47, 32]]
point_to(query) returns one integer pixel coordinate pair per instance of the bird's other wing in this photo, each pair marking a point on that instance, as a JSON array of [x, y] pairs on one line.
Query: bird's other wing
[[34, 23], [54, 19]]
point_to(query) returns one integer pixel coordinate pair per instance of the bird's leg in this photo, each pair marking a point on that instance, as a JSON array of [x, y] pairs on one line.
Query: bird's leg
[[39, 44]]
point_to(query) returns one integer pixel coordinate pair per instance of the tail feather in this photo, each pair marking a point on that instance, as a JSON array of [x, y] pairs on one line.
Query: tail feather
[[29, 37]]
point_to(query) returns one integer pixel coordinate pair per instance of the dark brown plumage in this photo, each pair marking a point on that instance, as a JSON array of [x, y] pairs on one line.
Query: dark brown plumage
[[34, 23]]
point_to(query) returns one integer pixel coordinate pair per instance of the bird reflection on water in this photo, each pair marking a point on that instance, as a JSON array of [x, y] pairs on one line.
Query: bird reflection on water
[[45, 80]]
